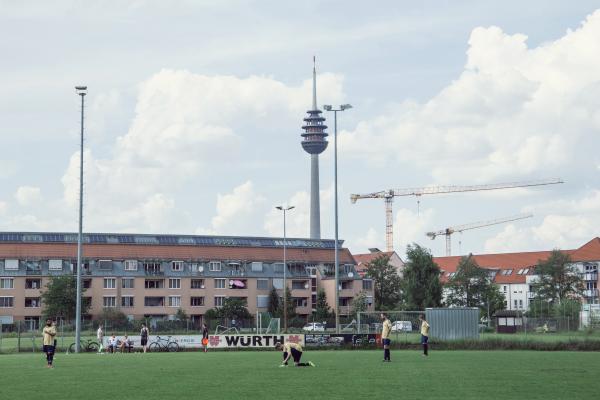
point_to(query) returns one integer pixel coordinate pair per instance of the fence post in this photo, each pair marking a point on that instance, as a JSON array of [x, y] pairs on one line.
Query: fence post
[[18, 337]]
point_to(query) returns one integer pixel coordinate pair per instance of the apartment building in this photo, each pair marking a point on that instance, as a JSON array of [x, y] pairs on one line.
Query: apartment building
[[153, 276]]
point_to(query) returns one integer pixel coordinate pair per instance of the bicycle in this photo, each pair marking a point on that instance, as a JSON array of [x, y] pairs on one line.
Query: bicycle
[[164, 344], [86, 345]]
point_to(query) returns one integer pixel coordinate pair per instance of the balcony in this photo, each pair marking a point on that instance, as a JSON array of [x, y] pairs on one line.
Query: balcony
[[590, 293], [154, 273], [36, 271], [590, 276]]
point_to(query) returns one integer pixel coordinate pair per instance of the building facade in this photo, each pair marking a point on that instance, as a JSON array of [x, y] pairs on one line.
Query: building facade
[[153, 276]]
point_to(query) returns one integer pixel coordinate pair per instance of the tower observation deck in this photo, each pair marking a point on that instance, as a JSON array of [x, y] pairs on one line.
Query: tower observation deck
[[314, 142]]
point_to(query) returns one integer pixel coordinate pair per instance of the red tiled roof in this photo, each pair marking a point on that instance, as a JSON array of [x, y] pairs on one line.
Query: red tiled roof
[[368, 257], [122, 251], [515, 261]]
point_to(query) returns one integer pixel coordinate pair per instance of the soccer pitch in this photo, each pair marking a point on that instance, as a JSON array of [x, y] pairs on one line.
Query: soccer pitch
[[338, 375]]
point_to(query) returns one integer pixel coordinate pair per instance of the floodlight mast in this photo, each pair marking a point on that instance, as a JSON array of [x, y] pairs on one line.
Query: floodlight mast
[[285, 210], [81, 91], [343, 107]]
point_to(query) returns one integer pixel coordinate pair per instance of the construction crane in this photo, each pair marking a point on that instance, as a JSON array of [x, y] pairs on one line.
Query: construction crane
[[388, 196], [474, 225]]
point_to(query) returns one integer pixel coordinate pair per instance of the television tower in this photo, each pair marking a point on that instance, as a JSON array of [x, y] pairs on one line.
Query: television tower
[[314, 143]]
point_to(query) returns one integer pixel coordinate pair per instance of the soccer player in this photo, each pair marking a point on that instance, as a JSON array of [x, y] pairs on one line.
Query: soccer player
[[49, 332], [293, 350], [385, 337], [144, 337], [205, 337], [424, 334]]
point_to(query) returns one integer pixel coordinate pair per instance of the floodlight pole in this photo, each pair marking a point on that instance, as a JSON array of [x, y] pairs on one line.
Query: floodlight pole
[[81, 91], [335, 184], [284, 209]]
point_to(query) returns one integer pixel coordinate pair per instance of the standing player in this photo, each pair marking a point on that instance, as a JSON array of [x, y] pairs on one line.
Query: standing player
[[293, 350], [205, 337], [385, 337], [100, 337], [144, 337], [49, 332], [424, 335]]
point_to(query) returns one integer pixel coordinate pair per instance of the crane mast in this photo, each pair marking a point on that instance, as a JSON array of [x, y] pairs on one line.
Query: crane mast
[[388, 196]]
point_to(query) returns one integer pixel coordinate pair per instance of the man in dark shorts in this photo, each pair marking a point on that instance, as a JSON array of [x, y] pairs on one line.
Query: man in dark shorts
[[205, 337], [144, 337], [49, 332], [293, 350], [385, 337]]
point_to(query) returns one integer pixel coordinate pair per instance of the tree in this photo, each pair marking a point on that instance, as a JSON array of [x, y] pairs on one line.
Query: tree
[[387, 283], [421, 286], [472, 286], [291, 307], [557, 279], [359, 304], [60, 298], [323, 311], [181, 315], [274, 307], [112, 319], [234, 308]]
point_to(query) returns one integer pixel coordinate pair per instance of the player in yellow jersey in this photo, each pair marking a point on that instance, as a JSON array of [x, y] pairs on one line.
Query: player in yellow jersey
[[293, 350], [424, 334], [385, 337], [49, 333]]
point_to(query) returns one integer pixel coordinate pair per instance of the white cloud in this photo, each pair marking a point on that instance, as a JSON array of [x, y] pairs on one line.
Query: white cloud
[[371, 239], [565, 224], [3, 208], [28, 195], [513, 112], [186, 125], [410, 227]]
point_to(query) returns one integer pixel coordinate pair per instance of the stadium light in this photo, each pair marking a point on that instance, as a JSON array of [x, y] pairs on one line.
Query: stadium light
[[285, 210], [81, 91], [335, 168]]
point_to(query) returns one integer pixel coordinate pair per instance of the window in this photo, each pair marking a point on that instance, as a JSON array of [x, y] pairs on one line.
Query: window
[[197, 301], [299, 285], [127, 301], [346, 285], [32, 302], [87, 283], [257, 267], [219, 301], [504, 288], [515, 303], [262, 284], [110, 283], [278, 268], [219, 283], [154, 301], [197, 283], [278, 283], [262, 301], [520, 303], [177, 266], [507, 272], [127, 283], [174, 301], [214, 266], [11, 265], [367, 284], [55, 265], [109, 301], [174, 283], [369, 300], [300, 301], [7, 283], [153, 268], [154, 284], [6, 302], [33, 283], [105, 264], [525, 271], [130, 265]]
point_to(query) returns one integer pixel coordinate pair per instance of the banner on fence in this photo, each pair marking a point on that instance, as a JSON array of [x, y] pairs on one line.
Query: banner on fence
[[332, 340], [217, 341]]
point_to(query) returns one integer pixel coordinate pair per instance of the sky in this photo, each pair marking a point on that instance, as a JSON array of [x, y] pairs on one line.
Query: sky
[[194, 112]]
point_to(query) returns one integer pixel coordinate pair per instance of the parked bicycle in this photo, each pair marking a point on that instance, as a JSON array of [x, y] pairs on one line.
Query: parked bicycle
[[164, 344], [85, 345]]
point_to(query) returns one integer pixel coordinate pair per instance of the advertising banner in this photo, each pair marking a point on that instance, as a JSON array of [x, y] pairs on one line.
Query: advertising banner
[[216, 341], [347, 339]]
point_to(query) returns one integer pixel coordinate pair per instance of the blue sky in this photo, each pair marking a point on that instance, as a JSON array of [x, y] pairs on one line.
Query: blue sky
[[195, 108]]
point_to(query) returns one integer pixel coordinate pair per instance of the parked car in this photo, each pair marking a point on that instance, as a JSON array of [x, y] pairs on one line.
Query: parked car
[[401, 326], [314, 327]]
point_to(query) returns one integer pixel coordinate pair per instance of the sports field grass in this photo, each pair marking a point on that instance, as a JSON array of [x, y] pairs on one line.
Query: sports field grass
[[338, 375]]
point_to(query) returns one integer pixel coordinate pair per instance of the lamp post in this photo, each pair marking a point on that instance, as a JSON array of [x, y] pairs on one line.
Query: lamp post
[[81, 91], [337, 266], [285, 210]]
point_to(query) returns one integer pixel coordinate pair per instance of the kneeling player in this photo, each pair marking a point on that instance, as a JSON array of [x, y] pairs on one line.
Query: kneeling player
[[293, 350]]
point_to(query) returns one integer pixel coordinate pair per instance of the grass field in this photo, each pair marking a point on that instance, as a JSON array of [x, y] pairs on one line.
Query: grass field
[[338, 375]]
